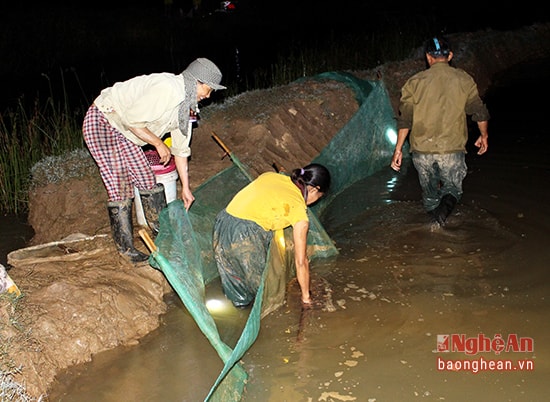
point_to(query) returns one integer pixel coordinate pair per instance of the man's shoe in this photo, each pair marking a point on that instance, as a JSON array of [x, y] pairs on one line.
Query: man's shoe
[[444, 209]]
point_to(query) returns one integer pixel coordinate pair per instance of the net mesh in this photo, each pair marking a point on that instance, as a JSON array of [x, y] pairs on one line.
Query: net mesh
[[184, 243], [365, 144]]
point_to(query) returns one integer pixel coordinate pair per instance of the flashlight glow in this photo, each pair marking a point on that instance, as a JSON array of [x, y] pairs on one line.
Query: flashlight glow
[[280, 238], [215, 305], [391, 135]]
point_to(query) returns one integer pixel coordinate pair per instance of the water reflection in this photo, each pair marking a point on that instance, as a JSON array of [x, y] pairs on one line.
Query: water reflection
[[174, 363]]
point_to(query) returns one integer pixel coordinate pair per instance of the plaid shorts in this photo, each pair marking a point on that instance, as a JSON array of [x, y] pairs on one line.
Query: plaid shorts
[[122, 164]]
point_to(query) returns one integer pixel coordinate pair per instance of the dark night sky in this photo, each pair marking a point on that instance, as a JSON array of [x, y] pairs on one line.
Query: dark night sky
[[36, 39]]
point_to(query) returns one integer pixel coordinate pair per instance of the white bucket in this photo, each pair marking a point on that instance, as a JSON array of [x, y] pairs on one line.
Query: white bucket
[[169, 180], [140, 215]]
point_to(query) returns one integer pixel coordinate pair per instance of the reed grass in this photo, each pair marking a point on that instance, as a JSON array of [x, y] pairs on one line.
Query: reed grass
[[28, 135], [356, 54]]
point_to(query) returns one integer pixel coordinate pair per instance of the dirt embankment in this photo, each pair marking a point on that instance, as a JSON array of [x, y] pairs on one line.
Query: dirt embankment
[[74, 308]]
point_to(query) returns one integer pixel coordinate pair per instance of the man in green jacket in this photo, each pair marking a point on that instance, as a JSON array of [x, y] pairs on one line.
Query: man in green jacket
[[434, 106]]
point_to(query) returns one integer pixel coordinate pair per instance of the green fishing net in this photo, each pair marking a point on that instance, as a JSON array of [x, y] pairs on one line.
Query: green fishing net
[[184, 245]]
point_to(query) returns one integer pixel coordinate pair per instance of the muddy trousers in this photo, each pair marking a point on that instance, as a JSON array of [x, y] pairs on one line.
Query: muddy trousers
[[240, 250], [440, 177]]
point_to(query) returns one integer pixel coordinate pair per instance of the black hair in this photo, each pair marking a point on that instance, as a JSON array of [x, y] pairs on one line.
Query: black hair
[[314, 174], [437, 47]]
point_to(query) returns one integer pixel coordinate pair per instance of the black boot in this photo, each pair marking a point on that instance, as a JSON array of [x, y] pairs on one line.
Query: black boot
[[153, 201], [444, 209], [120, 215]]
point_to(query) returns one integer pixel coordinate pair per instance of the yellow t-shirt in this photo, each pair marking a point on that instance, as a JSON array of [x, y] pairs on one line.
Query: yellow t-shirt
[[273, 201]]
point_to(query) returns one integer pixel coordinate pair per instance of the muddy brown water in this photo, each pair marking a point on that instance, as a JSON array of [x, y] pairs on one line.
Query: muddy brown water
[[396, 288]]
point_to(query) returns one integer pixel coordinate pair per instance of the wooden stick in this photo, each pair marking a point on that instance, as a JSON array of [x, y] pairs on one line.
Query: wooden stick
[[220, 143], [278, 168], [147, 239]]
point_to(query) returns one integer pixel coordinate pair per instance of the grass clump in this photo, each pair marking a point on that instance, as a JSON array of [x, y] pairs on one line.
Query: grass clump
[[56, 169]]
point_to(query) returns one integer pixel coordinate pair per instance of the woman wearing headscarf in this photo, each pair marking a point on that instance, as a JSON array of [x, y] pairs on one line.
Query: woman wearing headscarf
[[127, 116]]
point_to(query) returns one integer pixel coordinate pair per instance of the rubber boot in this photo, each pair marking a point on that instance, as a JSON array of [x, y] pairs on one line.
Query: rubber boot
[[444, 209], [120, 215], [153, 201]]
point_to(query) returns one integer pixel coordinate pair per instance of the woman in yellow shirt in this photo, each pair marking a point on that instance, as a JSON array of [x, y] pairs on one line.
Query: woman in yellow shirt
[[244, 229]]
